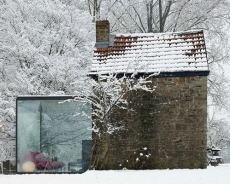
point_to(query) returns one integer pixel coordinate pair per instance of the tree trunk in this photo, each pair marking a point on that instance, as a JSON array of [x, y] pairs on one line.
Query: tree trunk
[[160, 17], [99, 158]]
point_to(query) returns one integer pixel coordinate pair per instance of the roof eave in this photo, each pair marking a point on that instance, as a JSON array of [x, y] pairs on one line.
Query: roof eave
[[162, 74]]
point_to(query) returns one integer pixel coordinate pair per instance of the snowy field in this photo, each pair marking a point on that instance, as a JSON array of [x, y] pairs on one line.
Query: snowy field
[[211, 175]]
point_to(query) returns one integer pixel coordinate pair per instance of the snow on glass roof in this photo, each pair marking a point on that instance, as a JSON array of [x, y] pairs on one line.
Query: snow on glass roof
[[152, 52]]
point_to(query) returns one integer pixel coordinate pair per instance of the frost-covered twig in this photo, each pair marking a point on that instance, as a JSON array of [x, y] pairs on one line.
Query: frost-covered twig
[[106, 95]]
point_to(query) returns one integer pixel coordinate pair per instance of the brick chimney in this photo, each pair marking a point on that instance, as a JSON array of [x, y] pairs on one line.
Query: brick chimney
[[102, 31]]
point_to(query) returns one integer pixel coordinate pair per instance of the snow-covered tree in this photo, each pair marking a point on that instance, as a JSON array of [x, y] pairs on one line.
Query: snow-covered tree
[[218, 133], [107, 96], [161, 15], [45, 42], [45, 48]]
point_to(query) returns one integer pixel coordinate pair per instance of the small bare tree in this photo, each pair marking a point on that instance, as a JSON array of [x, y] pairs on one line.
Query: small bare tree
[[218, 133], [108, 95]]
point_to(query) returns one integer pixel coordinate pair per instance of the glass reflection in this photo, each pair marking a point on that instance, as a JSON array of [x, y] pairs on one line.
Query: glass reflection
[[52, 136]]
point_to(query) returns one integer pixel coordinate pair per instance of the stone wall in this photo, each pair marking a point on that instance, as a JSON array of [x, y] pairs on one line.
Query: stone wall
[[167, 128]]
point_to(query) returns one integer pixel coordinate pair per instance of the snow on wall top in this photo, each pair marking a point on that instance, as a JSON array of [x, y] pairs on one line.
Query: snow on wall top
[[152, 52]]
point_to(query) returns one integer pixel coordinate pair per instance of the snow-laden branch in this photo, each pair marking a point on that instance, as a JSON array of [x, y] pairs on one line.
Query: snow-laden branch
[[109, 93]]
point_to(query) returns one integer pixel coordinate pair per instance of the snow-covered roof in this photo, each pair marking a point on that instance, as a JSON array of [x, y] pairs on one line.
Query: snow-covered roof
[[152, 52]]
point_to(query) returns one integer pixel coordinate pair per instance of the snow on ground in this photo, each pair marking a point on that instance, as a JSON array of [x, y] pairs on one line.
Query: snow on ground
[[211, 175]]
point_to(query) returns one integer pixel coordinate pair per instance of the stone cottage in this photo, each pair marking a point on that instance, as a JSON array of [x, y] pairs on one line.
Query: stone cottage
[[168, 129]]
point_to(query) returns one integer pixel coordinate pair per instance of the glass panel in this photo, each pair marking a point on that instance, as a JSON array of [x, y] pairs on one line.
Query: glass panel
[[52, 137]]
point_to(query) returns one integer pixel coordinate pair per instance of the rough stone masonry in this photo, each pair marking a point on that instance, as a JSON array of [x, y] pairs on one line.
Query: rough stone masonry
[[167, 128]]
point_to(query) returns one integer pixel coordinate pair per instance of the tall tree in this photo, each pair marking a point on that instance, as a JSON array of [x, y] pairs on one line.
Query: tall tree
[[45, 48]]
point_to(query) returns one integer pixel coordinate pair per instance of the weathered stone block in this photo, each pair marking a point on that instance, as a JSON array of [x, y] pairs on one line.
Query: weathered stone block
[[169, 125]]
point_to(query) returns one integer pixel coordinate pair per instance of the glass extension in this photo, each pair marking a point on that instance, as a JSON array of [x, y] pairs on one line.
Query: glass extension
[[53, 135]]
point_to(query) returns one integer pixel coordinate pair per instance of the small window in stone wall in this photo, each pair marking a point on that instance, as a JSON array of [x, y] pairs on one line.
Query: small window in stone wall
[[52, 135]]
